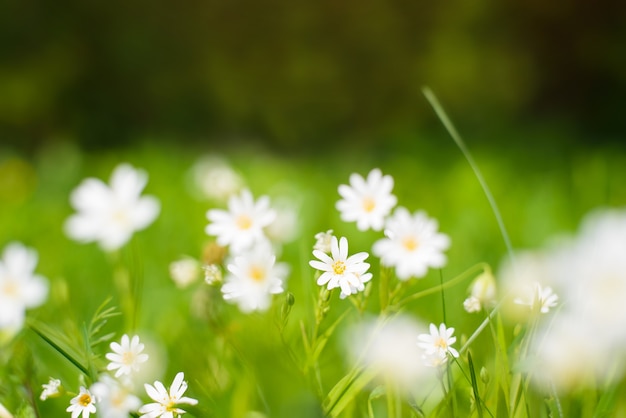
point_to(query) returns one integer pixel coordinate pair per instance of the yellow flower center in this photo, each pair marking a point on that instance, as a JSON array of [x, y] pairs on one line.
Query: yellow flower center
[[128, 358], [257, 274], [410, 243], [244, 222], [368, 204], [9, 288], [441, 343], [339, 267], [84, 399]]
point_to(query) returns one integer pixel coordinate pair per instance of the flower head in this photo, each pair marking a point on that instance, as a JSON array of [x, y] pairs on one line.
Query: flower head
[[241, 226], [50, 389], [437, 345], [539, 299], [109, 215], [254, 277], [166, 402], [367, 202], [114, 400], [20, 288], [126, 356], [339, 270], [83, 403], [412, 244], [184, 271], [323, 240], [482, 293]]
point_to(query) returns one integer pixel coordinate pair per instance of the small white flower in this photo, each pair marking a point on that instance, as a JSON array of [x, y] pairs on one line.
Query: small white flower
[[165, 404], [114, 400], [339, 270], [437, 344], [323, 240], [472, 304], [367, 202], [241, 226], [254, 277], [412, 245], [4, 413], [20, 288], [539, 298], [215, 178], [184, 271], [50, 389], [127, 356], [482, 293], [110, 215], [83, 403]]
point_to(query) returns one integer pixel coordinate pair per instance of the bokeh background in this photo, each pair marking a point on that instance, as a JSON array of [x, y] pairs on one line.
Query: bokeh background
[[299, 76]]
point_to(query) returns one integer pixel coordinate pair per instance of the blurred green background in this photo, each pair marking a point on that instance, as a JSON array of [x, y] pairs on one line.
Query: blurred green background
[[302, 75]]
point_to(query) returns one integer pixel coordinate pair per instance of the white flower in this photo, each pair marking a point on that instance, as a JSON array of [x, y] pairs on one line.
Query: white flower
[[367, 202], [127, 356], [215, 178], [323, 240], [339, 270], [114, 400], [165, 404], [437, 344], [254, 277], [412, 245], [389, 348], [83, 403], [20, 288], [241, 226], [184, 271], [539, 299], [50, 389], [4, 413], [472, 304], [110, 215], [212, 274]]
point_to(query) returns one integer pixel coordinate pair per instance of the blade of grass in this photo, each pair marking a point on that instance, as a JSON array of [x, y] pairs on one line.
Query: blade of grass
[[48, 335], [477, 398]]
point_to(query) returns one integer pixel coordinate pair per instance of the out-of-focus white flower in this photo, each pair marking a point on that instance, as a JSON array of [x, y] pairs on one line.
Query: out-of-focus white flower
[[286, 226], [20, 287], [437, 345], [212, 274], [50, 389], [389, 349], [241, 226], [166, 402], [367, 202], [215, 178], [339, 270], [482, 293], [82, 404], [4, 413], [109, 215], [538, 298], [254, 277], [184, 271], [323, 240], [412, 244], [114, 400], [127, 356]]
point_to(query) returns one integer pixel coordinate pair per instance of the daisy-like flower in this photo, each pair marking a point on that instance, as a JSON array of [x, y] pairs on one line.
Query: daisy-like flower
[[254, 277], [540, 299], [83, 403], [437, 344], [50, 389], [241, 226], [114, 400], [109, 215], [367, 202], [126, 356], [339, 270], [412, 244], [20, 287], [166, 402]]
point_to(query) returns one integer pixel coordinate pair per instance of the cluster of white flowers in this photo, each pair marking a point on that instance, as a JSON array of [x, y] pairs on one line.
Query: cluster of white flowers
[[253, 273], [114, 396], [411, 245], [589, 273], [20, 287]]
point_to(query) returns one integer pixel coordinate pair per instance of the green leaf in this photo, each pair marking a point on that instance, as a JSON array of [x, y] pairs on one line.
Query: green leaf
[[346, 390], [59, 342], [479, 407]]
